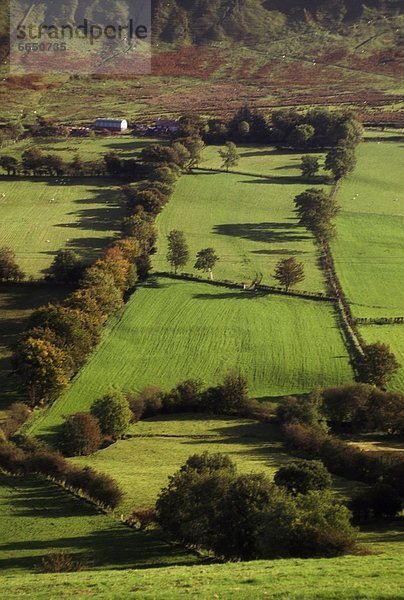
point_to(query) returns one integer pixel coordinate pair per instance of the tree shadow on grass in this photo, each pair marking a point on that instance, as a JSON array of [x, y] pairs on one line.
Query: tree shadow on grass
[[269, 232], [280, 251], [241, 295]]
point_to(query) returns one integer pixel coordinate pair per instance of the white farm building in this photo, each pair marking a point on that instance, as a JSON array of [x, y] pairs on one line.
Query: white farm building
[[111, 124]]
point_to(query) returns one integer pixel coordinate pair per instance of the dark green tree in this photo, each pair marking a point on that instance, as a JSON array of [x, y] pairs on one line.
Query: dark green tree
[[378, 364], [206, 260], [178, 252], [113, 414], [303, 476], [289, 272]]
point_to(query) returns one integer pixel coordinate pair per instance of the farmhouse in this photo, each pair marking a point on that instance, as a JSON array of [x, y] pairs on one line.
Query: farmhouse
[[167, 126], [111, 124]]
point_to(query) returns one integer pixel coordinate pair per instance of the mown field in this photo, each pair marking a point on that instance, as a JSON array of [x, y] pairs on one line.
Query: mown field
[[249, 221], [348, 578], [369, 249], [172, 330], [37, 517], [41, 216]]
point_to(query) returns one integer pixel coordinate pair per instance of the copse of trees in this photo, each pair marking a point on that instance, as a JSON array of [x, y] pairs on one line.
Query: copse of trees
[[377, 502], [209, 506]]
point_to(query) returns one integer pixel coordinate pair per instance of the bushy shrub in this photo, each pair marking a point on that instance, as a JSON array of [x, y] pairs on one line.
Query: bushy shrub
[[18, 413], [303, 477], [142, 518], [60, 562], [152, 400], [80, 435], [113, 414]]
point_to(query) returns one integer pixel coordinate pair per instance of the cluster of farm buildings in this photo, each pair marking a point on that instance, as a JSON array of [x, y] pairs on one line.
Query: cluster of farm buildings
[[103, 125]]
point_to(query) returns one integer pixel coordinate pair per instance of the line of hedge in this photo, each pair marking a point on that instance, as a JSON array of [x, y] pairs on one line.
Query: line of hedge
[[379, 321], [260, 287], [99, 488], [345, 459]]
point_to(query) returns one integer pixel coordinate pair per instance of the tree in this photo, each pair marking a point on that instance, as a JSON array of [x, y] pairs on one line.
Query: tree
[[303, 477], [9, 270], [340, 161], [113, 413], [195, 146], [32, 160], [77, 165], [42, 368], [178, 253], [54, 164], [309, 166], [206, 260], [231, 397], [80, 435], [113, 163], [66, 268], [289, 272], [302, 410], [301, 135], [244, 129], [229, 156], [316, 209], [9, 164], [378, 364]]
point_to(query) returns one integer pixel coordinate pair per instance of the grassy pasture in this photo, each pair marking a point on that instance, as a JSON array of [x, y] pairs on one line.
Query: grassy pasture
[[262, 160], [248, 220], [89, 148], [347, 578], [41, 216], [156, 448], [38, 517], [369, 249], [172, 330]]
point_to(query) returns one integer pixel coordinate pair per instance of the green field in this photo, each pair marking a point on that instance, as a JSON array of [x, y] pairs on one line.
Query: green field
[[348, 578], [41, 216], [158, 447], [37, 517], [172, 330], [369, 249], [393, 335], [250, 221]]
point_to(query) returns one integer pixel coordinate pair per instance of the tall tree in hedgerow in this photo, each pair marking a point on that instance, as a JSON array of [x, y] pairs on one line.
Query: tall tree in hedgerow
[[378, 364], [113, 414], [80, 435], [230, 156], [289, 272], [206, 260], [340, 161], [309, 166], [9, 270], [178, 253]]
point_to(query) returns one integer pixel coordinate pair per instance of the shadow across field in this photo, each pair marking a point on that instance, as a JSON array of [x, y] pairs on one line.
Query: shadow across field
[[269, 232]]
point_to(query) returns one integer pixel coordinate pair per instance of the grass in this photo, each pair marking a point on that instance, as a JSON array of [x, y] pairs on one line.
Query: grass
[[16, 304], [249, 221], [393, 335], [158, 447], [348, 578], [38, 517], [369, 250], [41, 216], [172, 330], [89, 148]]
